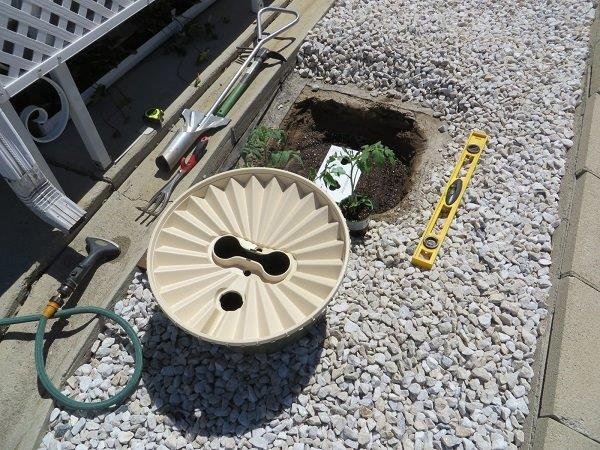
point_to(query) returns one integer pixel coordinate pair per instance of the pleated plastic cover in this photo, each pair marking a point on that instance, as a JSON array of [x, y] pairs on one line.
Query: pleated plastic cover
[[248, 256]]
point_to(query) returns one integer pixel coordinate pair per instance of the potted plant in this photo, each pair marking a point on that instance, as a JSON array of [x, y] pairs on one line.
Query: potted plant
[[266, 148], [357, 207]]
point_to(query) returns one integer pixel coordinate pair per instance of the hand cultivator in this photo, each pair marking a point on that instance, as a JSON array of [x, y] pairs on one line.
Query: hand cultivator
[[197, 124], [159, 201]]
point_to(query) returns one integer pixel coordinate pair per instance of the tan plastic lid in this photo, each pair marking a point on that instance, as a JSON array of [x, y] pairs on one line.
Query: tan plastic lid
[[248, 256]]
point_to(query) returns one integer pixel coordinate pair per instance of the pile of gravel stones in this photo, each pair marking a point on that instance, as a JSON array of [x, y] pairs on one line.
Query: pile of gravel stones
[[404, 358]]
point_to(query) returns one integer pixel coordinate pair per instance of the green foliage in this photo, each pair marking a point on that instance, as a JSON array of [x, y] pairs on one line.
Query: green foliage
[[202, 56], [282, 158], [266, 148], [260, 137], [99, 92], [357, 203], [330, 182], [374, 155], [210, 30], [370, 156]]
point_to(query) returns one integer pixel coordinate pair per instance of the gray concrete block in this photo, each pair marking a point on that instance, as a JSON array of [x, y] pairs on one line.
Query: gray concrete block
[[588, 158], [594, 58], [567, 184], [594, 62], [572, 383], [559, 240], [567, 187], [552, 435], [582, 250]]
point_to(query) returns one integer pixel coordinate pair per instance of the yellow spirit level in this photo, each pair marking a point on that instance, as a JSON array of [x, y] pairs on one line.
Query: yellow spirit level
[[446, 207]]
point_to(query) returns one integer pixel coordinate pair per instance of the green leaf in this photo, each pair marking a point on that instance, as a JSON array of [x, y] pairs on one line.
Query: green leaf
[[364, 201], [363, 162], [354, 205], [202, 57], [375, 155], [262, 141], [330, 182], [282, 158], [379, 154], [337, 170]]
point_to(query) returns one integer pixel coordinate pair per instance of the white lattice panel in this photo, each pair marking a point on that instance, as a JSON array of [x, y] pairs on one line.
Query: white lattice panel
[[36, 35]]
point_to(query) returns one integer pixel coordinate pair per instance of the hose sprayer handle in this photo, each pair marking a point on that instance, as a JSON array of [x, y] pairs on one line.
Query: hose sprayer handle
[[99, 251]]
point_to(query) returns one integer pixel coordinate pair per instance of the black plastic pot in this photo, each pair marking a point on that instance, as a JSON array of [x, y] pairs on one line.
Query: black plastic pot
[[358, 228]]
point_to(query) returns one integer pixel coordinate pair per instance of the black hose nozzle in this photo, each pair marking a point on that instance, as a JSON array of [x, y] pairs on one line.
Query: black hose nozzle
[[99, 251]]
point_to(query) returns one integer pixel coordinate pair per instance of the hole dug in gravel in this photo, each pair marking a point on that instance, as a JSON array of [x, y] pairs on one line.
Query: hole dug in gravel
[[321, 118]]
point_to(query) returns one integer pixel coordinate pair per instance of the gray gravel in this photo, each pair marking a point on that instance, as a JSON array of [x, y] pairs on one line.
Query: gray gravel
[[406, 359]]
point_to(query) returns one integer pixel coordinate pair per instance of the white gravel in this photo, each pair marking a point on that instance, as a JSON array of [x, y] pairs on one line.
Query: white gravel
[[407, 359]]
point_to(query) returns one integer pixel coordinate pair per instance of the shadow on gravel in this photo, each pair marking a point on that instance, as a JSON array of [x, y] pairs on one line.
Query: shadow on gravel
[[212, 391]]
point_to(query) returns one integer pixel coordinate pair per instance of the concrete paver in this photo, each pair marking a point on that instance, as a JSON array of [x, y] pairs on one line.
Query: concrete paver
[[572, 383], [552, 435], [567, 362], [594, 83], [588, 158], [582, 251]]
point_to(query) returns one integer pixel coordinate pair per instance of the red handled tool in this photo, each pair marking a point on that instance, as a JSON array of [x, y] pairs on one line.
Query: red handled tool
[[159, 201]]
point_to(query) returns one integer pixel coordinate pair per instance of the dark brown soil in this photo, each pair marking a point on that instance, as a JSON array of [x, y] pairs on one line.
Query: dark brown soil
[[355, 213], [325, 118]]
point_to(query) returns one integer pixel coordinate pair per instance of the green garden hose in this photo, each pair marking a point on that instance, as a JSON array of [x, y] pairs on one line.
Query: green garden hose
[[99, 251], [41, 366]]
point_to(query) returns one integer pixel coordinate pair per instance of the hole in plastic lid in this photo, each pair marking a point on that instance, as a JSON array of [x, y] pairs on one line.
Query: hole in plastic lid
[[231, 300], [274, 263]]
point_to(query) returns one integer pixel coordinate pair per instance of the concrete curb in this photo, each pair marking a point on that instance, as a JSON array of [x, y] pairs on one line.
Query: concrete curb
[[565, 395], [23, 412], [552, 435]]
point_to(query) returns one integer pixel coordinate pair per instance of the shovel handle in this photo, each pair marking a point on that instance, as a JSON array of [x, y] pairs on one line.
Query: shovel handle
[[231, 99], [260, 33]]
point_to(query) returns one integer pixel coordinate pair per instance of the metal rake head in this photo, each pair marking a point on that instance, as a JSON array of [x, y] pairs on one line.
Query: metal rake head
[[153, 208], [242, 53], [159, 201]]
